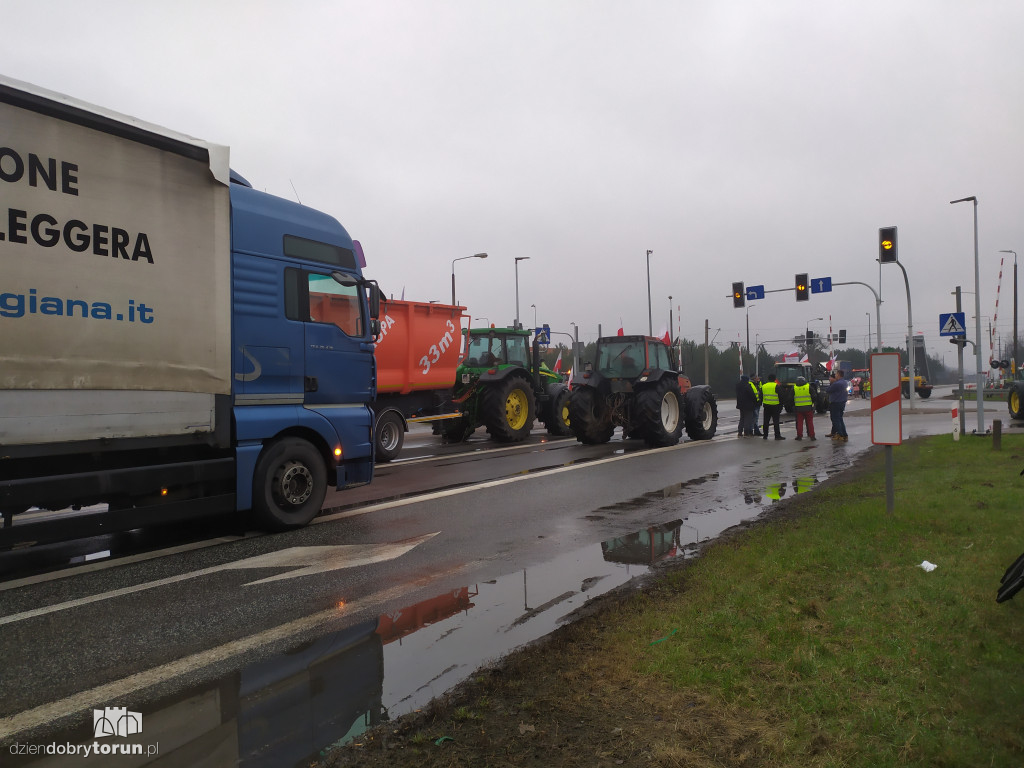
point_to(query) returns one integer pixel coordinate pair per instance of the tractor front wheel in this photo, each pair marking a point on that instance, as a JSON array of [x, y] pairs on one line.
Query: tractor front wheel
[[704, 426], [589, 417]]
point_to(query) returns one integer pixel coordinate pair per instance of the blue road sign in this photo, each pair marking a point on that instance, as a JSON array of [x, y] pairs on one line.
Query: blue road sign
[[953, 324], [821, 285], [755, 292]]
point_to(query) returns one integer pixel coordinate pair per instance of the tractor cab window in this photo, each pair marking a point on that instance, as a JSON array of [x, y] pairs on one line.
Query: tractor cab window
[[491, 349], [621, 359], [659, 357]]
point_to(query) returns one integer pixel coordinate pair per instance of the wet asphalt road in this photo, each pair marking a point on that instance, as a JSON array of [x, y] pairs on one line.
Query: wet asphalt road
[[476, 519]]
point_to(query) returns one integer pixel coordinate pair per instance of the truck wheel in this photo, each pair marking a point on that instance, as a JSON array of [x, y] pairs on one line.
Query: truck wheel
[[659, 413], [1016, 402], [289, 484], [705, 424], [558, 418], [508, 409], [589, 417], [388, 436]]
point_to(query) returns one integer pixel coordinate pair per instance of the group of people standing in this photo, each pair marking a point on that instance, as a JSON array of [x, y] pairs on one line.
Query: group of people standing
[[752, 395]]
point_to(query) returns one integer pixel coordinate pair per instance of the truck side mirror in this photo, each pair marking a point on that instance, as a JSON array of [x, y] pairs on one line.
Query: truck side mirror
[[373, 295]]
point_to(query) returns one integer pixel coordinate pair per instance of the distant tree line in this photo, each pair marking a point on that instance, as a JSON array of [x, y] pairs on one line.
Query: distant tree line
[[723, 363]]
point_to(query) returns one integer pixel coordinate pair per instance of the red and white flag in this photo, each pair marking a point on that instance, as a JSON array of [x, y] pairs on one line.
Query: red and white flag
[[621, 332], [831, 362], [791, 357], [558, 362]]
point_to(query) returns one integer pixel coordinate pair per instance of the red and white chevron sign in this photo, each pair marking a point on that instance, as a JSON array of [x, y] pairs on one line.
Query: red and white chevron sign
[[886, 399]]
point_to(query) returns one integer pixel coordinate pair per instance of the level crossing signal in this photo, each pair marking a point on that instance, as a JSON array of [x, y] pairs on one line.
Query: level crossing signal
[[738, 295], [802, 293], [887, 250]]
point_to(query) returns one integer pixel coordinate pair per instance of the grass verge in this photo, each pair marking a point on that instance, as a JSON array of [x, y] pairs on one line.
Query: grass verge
[[812, 638]]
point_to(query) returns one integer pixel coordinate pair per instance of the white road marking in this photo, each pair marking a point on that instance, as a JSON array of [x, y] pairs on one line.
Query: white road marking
[[103, 694], [318, 560]]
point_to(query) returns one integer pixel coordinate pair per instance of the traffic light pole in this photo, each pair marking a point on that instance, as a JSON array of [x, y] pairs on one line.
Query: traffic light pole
[[911, 372]]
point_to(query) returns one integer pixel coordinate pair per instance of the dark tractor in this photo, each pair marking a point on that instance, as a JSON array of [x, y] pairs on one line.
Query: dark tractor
[[502, 385], [637, 386]]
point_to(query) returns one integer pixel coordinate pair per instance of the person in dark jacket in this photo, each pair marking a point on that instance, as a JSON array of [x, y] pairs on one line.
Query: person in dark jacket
[[755, 384], [746, 402], [837, 397]]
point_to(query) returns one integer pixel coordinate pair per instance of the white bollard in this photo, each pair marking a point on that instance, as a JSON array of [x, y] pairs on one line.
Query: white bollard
[[956, 424]]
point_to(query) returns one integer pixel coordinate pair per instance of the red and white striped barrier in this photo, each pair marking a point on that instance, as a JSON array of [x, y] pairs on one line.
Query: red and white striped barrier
[[886, 399]]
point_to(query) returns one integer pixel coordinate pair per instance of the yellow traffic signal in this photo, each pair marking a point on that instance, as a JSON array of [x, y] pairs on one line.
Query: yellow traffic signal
[[738, 295], [887, 250], [802, 293]]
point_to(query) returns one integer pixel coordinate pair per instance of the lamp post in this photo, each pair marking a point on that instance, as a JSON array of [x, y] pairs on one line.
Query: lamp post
[[518, 259], [534, 316], [650, 314], [461, 258], [977, 314], [807, 328], [866, 363], [1015, 358]]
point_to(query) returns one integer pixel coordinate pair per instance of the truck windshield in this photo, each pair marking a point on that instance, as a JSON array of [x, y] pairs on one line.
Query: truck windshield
[[621, 358]]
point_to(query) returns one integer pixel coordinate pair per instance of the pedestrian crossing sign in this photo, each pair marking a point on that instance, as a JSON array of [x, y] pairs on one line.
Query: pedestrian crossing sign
[[952, 324]]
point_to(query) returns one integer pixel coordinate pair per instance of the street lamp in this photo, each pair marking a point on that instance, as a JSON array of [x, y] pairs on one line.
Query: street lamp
[[534, 315], [650, 314], [1015, 358], [866, 363], [807, 328], [977, 314], [461, 258], [518, 259]]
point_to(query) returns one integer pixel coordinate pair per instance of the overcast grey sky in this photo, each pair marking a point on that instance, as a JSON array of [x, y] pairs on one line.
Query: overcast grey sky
[[736, 140]]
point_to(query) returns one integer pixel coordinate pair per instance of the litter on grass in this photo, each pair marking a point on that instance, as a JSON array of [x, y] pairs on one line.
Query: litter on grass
[[929, 566]]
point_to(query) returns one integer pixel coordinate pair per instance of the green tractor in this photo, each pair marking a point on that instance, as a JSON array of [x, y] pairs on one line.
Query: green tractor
[[502, 385]]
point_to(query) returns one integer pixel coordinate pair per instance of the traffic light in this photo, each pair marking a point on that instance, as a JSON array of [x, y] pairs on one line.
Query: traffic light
[[739, 296], [802, 292], [842, 337], [810, 339], [887, 250]]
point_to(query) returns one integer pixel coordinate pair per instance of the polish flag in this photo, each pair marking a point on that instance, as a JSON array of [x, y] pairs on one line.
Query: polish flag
[[831, 362], [558, 362], [621, 332], [791, 357], [805, 359]]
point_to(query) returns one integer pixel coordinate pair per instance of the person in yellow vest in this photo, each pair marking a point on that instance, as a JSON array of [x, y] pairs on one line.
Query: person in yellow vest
[[772, 407], [803, 404]]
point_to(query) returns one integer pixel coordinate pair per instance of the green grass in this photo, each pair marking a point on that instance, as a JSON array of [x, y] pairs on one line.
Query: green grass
[[827, 626]]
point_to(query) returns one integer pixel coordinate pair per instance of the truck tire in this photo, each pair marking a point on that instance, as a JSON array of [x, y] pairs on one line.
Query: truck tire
[[1016, 402], [508, 409], [659, 412], [704, 425], [289, 484], [388, 436], [557, 418], [589, 417]]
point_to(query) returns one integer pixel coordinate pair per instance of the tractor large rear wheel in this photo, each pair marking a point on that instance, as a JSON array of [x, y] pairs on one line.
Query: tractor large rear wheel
[[705, 424], [659, 413], [589, 417], [508, 409]]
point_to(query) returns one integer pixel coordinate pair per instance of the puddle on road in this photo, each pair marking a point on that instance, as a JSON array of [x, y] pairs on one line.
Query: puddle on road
[[289, 709]]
